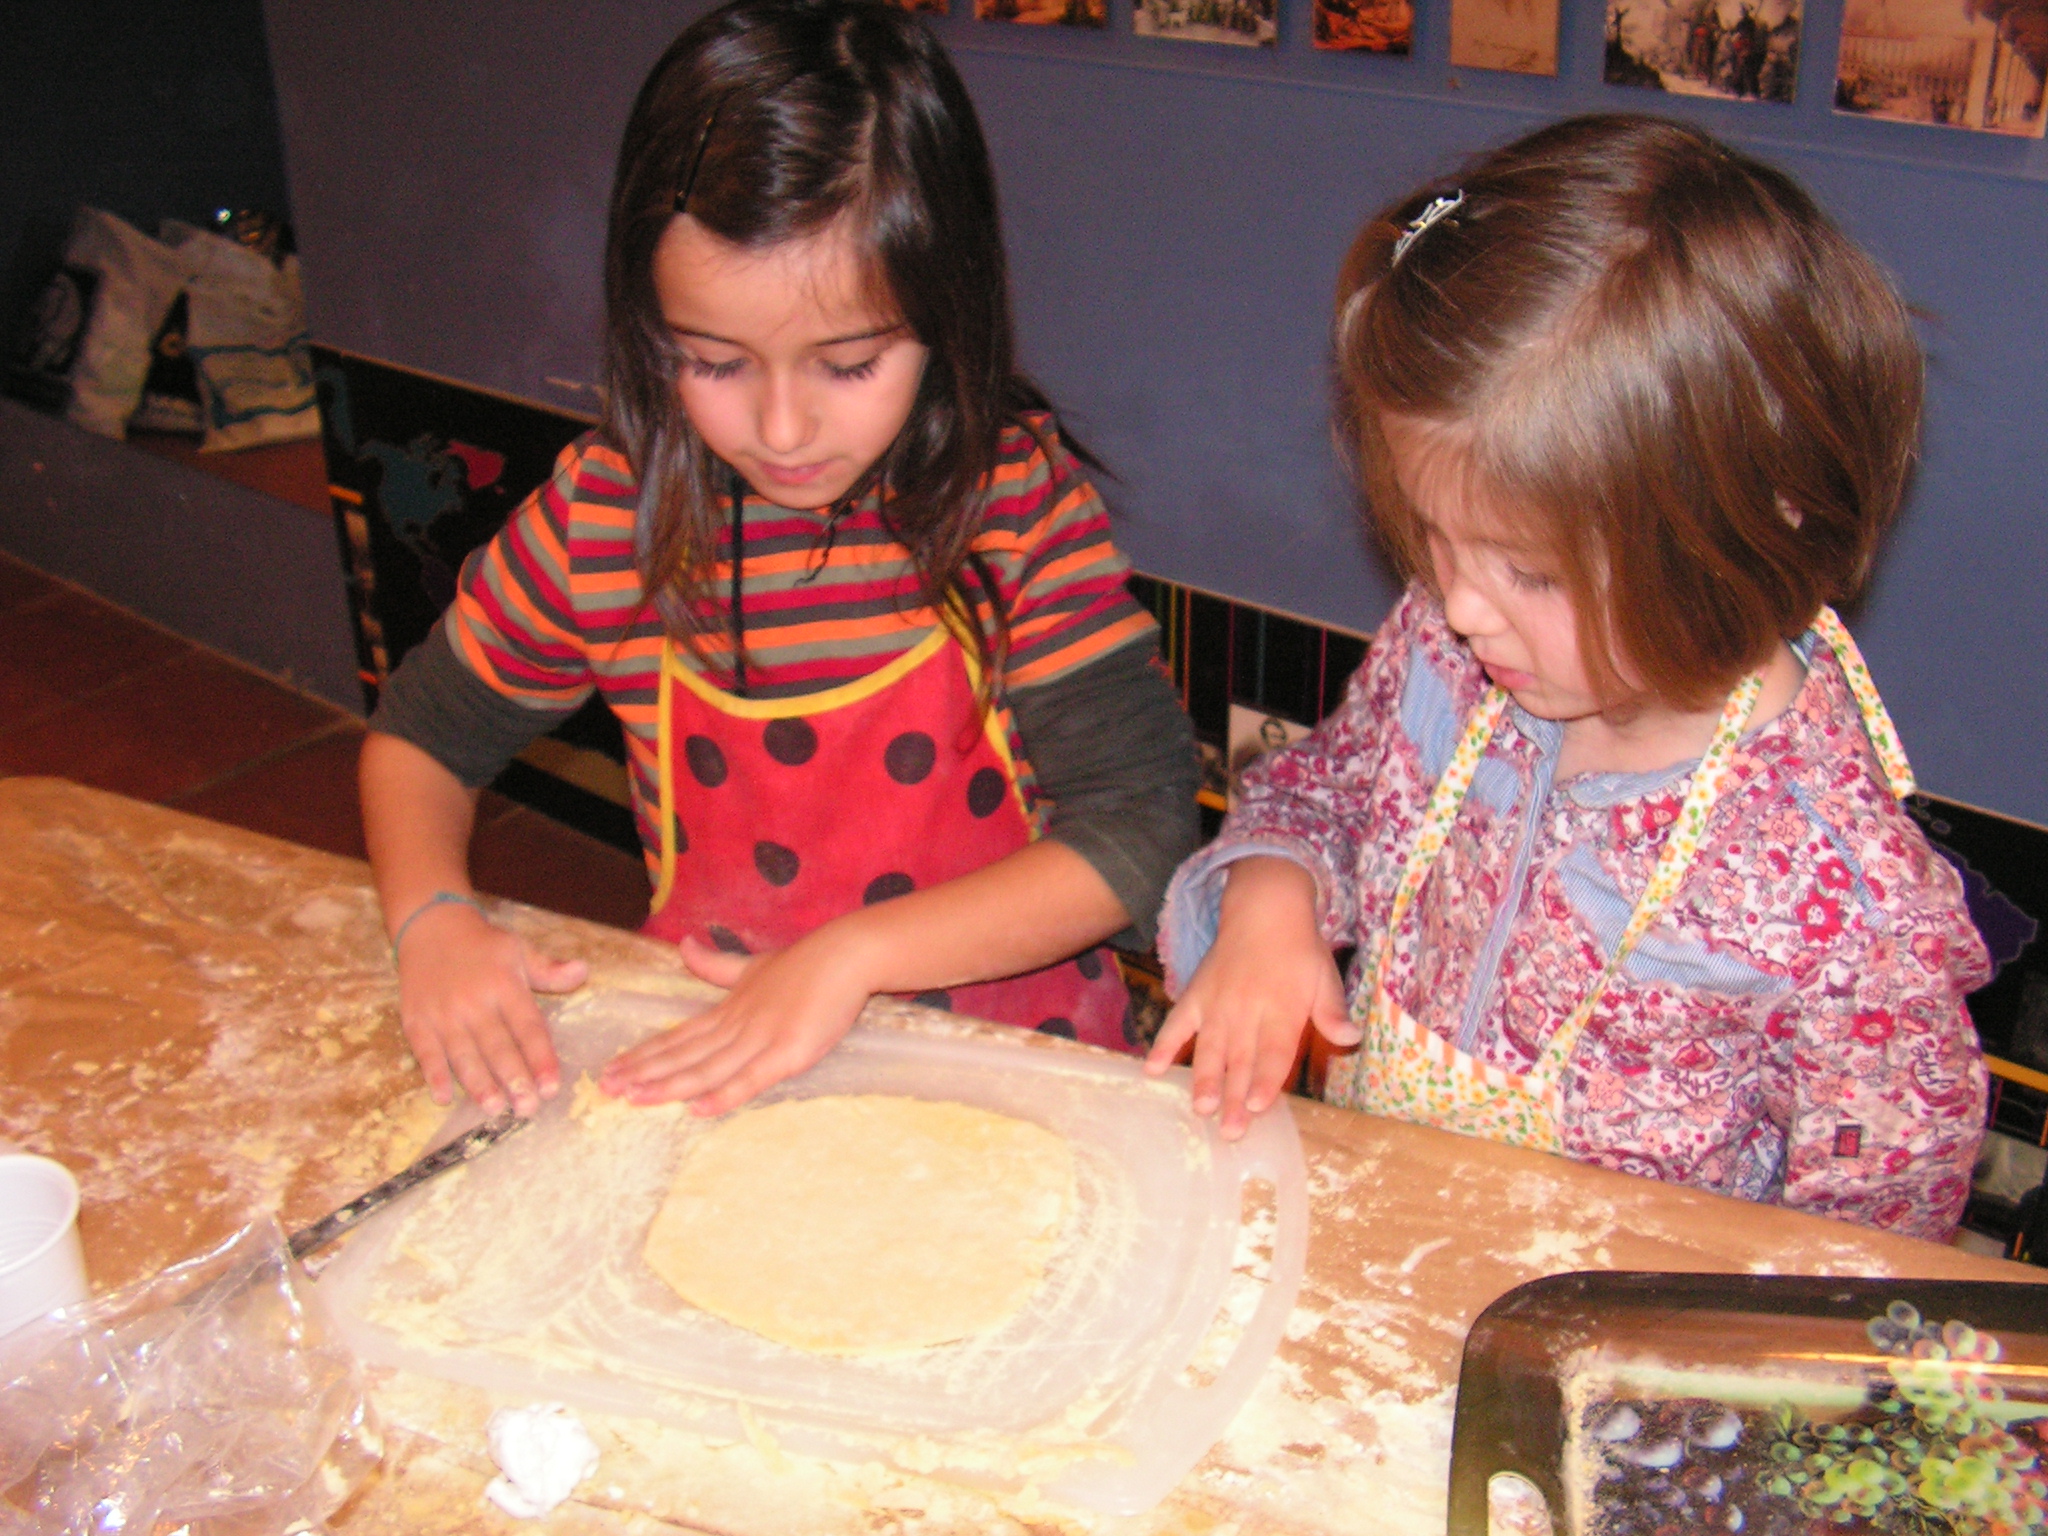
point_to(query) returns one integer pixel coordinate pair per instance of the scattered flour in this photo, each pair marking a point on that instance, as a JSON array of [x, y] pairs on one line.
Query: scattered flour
[[1550, 1252], [1420, 1252], [543, 1452], [1825, 1258], [1366, 1463]]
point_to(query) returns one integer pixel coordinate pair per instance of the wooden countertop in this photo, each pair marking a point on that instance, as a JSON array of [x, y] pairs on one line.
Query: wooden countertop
[[201, 1023]]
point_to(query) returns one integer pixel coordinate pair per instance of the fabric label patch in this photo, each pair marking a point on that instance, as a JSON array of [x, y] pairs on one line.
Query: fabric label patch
[[1848, 1140]]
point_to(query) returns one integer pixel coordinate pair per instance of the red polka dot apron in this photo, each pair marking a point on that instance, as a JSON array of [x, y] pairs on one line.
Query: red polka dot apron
[[1406, 1071], [778, 815]]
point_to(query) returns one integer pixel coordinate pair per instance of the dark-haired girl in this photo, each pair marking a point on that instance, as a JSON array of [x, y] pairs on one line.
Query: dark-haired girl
[[1611, 812], [892, 720]]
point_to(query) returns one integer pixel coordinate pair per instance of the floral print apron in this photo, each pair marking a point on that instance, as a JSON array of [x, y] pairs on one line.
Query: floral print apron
[[1406, 1071]]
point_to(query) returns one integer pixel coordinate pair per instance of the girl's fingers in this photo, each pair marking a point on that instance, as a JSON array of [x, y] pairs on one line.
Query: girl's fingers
[[716, 966], [758, 1072], [1340, 1031], [1180, 1027], [673, 1050], [779, 1057], [467, 1006], [505, 1056], [1271, 1068], [1240, 1054], [433, 1060], [1211, 1053], [696, 1026], [783, 1012], [758, 1055], [702, 1084], [1332, 1019], [546, 975], [538, 1070], [473, 1070]]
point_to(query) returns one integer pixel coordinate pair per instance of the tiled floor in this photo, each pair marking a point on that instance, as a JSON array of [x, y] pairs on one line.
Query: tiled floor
[[91, 692]]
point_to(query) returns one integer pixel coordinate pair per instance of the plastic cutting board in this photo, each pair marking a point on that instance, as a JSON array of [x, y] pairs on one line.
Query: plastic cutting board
[[1168, 1294]]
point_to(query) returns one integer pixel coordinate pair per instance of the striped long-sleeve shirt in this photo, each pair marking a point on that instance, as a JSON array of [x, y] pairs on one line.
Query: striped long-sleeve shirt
[[553, 608]]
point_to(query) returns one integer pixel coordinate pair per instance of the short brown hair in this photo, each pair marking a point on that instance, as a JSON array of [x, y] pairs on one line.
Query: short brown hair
[[1703, 395]]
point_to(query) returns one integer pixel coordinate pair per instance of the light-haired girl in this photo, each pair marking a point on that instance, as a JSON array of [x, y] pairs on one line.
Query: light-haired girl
[[1611, 812], [891, 717]]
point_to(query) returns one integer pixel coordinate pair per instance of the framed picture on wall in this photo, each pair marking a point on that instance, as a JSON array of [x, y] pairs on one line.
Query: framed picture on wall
[[1515, 35], [1246, 23], [1373, 26], [1045, 13], [1977, 64], [1742, 50]]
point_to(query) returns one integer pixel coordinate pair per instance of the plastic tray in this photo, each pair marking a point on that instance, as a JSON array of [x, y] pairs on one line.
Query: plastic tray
[[1129, 1362]]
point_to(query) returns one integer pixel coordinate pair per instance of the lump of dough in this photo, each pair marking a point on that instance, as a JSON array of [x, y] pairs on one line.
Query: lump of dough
[[865, 1224]]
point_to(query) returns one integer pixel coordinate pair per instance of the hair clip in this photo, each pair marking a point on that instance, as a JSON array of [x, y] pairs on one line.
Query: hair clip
[[1418, 226], [697, 158]]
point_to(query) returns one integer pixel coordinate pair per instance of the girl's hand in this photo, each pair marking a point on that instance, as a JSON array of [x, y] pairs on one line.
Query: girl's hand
[[1266, 979], [465, 998], [782, 1013]]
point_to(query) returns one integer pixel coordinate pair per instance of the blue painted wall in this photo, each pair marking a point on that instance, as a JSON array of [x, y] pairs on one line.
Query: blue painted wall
[[1176, 213]]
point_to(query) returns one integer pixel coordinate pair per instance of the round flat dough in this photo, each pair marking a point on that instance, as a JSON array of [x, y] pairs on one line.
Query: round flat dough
[[865, 1224]]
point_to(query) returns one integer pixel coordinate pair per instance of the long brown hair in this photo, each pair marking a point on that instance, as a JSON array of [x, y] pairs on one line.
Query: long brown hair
[[1701, 396], [783, 116]]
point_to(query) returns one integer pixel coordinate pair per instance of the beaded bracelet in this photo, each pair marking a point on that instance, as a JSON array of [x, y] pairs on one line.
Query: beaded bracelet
[[438, 899]]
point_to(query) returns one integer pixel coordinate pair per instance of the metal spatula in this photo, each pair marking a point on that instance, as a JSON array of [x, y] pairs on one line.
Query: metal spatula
[[451, 1155]]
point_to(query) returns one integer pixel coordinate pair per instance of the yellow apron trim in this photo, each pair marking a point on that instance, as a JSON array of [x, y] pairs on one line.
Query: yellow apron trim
[[992, 725], [1407, 1071], [1681, 847], [803, 704], [673, 671], [664, 739], [1877, 720]]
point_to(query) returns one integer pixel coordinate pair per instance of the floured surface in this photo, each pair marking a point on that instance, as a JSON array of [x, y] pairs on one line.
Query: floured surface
[[162, 981], [202, 1023], [511, 1277], [857, 1225]]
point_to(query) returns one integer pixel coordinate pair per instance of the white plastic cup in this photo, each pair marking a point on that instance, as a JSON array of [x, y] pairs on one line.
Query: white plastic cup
[[42, 1267]]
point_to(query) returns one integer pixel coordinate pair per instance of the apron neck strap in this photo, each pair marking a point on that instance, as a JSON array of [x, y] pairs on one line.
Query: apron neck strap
[[1442, 812], [1708, 778], [1682, 843], [736, 618], [1877, 720]]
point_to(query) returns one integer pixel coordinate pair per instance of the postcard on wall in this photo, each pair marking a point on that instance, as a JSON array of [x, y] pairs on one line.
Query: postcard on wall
[[1248, 23], [1375, 26], [1515, 35], [1976, 64], [1254, 733], [1045, 13], [1744, 50]]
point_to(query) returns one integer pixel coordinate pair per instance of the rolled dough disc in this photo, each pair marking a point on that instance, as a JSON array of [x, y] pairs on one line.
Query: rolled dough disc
[[864, 1224]]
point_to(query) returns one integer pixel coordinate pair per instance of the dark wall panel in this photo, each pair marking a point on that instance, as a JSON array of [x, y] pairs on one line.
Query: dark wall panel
[[144, 109], [1176, 214]]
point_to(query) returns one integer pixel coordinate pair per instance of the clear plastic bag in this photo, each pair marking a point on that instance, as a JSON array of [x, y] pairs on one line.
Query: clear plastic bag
[[214, 1397]]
